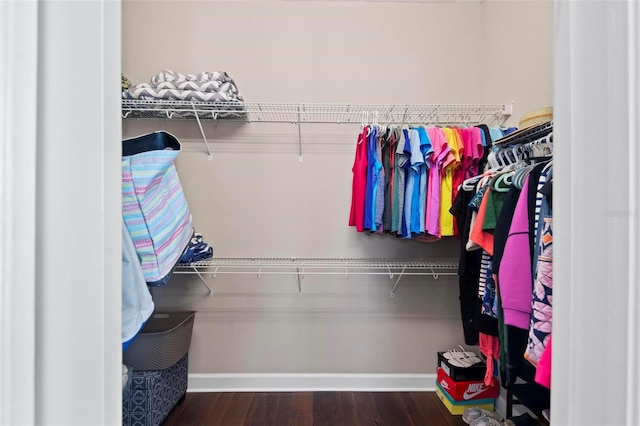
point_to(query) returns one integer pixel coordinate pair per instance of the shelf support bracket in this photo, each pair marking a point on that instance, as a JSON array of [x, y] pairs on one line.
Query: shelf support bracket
[[346, 269], [299, 282], [204, 137], [393, 294], [435, 276], [299, 137], [404, 118], [507, 111], [204, 282]]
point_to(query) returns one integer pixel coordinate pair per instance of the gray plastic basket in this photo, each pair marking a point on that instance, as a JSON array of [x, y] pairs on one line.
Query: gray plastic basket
[[163, 341]]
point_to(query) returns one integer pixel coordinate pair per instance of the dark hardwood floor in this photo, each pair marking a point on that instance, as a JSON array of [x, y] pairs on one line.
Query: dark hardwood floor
[[312, 408]]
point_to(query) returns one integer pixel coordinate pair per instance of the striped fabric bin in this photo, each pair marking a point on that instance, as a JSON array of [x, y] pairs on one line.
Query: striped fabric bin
[[154, 207]]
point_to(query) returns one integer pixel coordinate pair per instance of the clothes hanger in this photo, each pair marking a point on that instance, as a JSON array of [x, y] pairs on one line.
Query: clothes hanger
[[502, 155], [503, 182], [549, 142], [492, 160], [495, 165]]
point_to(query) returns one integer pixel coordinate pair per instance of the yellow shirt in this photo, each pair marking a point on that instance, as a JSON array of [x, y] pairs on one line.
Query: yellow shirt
[[446, 190]]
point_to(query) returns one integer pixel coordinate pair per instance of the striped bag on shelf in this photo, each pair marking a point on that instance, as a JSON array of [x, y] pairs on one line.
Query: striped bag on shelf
[[154, 207]]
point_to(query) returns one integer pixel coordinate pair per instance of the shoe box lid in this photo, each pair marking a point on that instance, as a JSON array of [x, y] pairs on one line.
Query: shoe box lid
[[459, 374], [467, 390]]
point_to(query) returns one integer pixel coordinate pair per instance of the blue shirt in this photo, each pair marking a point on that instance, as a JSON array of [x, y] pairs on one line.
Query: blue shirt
[[426, 149], [417, 164], [368, 197], [406, 216]]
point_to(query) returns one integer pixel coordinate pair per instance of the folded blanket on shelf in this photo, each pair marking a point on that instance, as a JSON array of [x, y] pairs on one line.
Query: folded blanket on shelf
[[176, 77], [203, 87], [196, 250], [149, 93], [198, 86]]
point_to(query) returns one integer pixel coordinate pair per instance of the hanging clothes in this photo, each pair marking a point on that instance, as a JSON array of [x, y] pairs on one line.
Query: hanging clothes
[[446, 197], [380, 183], [359, 184], [388, 160], [468, 268], [515, 269], [426, 149], [440, 156], [405, 179], [373, 168], [400, 170]]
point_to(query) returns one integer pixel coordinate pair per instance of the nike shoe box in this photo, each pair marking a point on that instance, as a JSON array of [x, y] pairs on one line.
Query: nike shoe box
[[459, 374], [457, 407], [467, 390]]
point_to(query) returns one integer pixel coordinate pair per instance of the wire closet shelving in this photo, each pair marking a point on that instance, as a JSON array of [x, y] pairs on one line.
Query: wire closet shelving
[[269, 112], [302, 113], [259, 266]]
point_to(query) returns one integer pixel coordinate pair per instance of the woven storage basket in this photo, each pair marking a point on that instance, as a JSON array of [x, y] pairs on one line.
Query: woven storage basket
[[163, 341]]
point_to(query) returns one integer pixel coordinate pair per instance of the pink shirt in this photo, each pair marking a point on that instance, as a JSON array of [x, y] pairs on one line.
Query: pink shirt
[[359, 183], [475, 137], [440, 157]]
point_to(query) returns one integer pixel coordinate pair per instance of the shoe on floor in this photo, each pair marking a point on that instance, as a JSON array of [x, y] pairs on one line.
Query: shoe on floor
[[486, 421], [474, 413], [546, 413], [522, 420]]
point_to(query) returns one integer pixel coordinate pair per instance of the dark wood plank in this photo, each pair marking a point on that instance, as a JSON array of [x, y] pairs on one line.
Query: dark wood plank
[[295, 409], [237, 409], [412, 409], [430, 407], [348, 405], [443, 410], [218, 409], [191, 412], [312, 409], [450, 418], [262, 410], [327, 410], [174, 415], [391, 409], [366, 409]]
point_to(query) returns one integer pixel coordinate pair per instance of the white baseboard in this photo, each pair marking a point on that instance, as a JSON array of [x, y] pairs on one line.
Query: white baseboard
[[311, 382]]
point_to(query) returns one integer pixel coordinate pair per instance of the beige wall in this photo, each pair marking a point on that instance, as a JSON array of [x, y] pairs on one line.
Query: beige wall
[[256, 199], [517, 51]]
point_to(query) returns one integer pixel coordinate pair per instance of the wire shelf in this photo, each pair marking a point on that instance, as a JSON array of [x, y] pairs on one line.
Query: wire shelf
[[322, 263], [436, 114], [319, 266]]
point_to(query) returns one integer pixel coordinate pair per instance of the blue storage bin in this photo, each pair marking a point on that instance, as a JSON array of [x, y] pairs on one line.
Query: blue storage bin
[[150, 395]]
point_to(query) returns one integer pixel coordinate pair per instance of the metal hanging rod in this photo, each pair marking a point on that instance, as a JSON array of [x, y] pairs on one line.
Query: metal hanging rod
[[527, 135], [300, 267]]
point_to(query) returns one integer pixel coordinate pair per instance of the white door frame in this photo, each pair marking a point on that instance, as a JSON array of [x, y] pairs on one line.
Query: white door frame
[[18, 122], [596, 312], [60, 226]]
